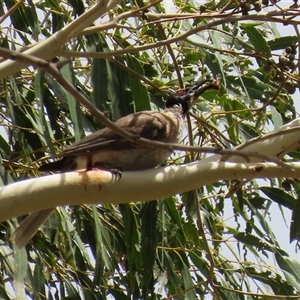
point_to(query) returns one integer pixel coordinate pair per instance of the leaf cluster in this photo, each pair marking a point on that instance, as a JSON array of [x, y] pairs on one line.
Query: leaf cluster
[[214, 242]]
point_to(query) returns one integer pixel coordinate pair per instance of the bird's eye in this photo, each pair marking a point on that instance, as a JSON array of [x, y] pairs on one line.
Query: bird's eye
[[182, 92]]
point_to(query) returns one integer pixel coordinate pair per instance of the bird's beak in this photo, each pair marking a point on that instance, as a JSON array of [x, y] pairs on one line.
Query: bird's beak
[[197, 89], [187, 97]]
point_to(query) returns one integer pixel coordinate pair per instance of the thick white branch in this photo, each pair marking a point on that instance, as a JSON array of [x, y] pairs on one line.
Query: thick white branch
[[102, 187], [274, 144]]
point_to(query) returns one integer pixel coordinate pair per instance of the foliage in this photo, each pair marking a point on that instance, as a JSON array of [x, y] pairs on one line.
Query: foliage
[[182, 247]]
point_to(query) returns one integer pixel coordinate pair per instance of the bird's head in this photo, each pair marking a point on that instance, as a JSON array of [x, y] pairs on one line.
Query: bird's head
[[187, 97]]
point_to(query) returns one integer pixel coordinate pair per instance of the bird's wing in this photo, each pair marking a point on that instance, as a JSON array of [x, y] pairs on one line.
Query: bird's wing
[[147, 124]]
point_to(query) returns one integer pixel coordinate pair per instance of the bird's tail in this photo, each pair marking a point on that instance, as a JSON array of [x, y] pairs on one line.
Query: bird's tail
[[55, 166]]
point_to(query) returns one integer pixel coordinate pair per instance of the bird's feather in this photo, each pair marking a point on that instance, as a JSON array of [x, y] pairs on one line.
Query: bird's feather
[[157, 126]]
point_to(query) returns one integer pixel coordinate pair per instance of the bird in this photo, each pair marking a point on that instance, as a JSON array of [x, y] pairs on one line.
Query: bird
[[106, 149]]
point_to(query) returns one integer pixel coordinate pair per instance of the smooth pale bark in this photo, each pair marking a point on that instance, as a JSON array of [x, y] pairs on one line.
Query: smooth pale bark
[[102, 187]]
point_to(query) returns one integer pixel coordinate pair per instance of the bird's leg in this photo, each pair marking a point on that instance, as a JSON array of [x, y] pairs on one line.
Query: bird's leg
[[89, 161], [101, 166]]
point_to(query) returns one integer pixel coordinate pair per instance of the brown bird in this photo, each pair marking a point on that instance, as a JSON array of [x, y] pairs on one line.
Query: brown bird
[[105, 148]]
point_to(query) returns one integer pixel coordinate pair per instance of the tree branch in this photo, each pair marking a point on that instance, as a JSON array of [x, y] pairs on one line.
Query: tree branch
[[51, 47], [102, 187], [94, 187]]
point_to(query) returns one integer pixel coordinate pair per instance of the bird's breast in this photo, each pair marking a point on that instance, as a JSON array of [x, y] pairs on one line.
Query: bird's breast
[[138, 158]]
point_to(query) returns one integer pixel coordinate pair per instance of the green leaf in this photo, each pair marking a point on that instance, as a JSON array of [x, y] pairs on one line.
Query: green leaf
[[256, 38], [252, 241], [187, 279], [276, 118], [20, 269], [139, 91], [41, 124], [279, 196], [282, 42], [68, 73], [149, 232], [4, 146], [175, 219], [295, 223], [252, 86], [290, 268]]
